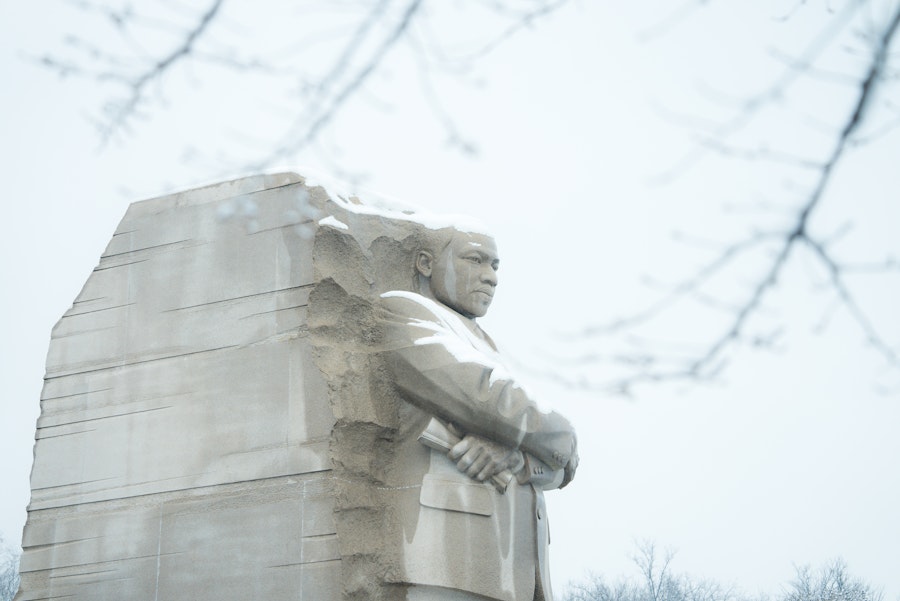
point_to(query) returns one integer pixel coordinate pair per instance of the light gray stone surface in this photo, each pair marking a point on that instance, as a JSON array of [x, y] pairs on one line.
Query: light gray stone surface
[[397, 351], [233, 410], [182, 446]]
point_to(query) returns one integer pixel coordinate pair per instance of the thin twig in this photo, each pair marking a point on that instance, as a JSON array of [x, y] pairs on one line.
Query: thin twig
[[124, 110], [710, 361], [312, 127], [686, 287], [525, 20], [749, 107], [835, 272], [799, 232]]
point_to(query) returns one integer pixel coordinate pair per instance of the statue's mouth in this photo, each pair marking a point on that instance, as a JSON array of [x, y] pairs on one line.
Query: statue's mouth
[[488, 293]]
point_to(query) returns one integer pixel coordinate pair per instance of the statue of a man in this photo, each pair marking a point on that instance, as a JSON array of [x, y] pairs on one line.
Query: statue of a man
[[466, 537]]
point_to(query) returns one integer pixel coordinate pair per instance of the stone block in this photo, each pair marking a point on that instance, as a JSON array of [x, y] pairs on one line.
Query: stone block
[[182, 450]]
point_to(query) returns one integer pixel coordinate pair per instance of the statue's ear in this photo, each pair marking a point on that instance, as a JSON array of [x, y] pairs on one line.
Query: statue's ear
[[424, 263]]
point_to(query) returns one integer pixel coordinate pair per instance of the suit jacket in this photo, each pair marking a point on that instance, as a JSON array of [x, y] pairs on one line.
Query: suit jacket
[[457, 532]]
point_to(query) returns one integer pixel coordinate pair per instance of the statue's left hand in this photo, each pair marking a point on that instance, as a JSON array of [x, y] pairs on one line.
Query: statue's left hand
[[570, 468], [480, 458]]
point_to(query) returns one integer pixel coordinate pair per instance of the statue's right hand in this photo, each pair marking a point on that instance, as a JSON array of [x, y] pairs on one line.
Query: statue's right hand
[[480, 458]]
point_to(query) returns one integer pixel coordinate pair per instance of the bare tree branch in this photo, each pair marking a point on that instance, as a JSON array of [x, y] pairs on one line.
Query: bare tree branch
[[756, 154], [311, 126], [454, 137], [708, 364], [831, 582], [323, 93], [120, 112], [749, 107], [525, 20], [9, 570], [688, 286], [843, 292]]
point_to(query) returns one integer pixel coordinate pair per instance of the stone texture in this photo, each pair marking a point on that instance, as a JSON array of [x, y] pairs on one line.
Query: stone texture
[[221, 418], [405, 515], [182, 447]]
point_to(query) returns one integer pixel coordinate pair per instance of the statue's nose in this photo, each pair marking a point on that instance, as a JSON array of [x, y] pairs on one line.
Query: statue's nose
[[489, 275]]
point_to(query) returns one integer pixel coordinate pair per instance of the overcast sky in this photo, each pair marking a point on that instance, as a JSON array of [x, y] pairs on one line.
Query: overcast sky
[[789, 458]]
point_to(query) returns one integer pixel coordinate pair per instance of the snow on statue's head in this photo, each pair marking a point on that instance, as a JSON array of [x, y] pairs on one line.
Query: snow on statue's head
[[456, 258]]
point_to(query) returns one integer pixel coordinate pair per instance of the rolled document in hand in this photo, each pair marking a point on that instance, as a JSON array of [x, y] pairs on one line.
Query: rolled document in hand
[[438, 436]]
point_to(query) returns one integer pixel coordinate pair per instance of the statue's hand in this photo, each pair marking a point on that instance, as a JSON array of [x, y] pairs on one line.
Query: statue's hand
[[569, 470], [480, 458]]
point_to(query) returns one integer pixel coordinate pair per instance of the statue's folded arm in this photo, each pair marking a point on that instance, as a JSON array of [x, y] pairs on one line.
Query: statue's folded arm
[[436, 370]]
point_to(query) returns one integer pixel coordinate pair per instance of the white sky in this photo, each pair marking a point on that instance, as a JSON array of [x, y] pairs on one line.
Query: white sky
[[790, 459]]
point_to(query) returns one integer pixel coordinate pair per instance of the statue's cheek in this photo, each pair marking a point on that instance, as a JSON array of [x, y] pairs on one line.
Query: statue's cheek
[[450, 280]]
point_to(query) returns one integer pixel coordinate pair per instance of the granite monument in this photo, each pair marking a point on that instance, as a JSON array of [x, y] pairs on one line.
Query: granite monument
[[266, 391]]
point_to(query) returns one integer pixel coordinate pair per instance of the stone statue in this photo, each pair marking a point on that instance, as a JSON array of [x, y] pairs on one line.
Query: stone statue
[[269, 391], [465, 537]]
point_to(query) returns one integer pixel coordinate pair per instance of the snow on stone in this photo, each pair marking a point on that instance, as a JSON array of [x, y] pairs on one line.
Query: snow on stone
[[451, 338], [392, 208], [380, 204], [333, 221]]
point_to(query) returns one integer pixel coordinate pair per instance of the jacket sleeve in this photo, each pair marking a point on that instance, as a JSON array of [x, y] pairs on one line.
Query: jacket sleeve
[[434, 368], [540, 475]]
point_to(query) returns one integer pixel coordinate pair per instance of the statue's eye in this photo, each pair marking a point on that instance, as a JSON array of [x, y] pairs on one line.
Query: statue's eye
[[474, 259]]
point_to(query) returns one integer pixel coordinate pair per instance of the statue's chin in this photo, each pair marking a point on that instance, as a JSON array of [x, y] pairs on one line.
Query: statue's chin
[[471, 309], [478, 311]]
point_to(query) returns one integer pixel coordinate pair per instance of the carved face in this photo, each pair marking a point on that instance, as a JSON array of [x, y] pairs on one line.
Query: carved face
[[464, 276]]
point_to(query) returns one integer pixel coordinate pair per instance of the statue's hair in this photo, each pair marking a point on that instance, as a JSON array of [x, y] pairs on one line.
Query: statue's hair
[[435, 235], [435, 241]]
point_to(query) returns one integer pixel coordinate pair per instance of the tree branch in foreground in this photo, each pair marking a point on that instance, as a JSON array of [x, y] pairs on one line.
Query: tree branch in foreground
[[708, 363]]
